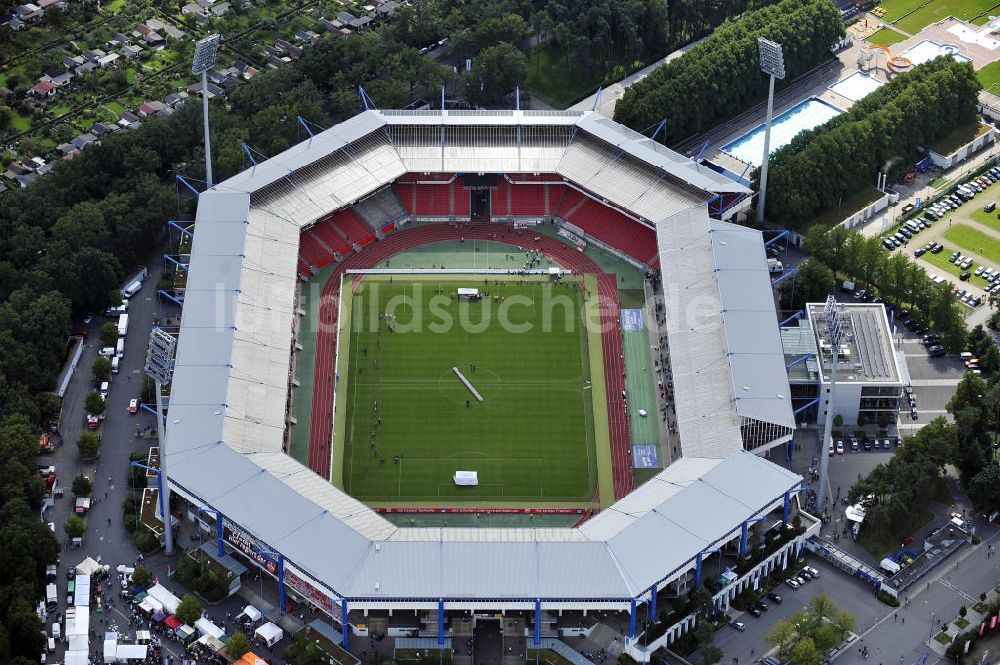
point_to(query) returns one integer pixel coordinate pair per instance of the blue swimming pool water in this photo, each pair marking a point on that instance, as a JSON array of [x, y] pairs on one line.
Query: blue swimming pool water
[[804, 115]]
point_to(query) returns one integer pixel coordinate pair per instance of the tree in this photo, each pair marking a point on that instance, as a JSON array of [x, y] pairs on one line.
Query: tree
[[711, 655], [238, 644], [782, 635], [109, 334], [838, 421], [89, 444], [813, 282], [805, 653], [94, 403], [188, 610], [984, 490], [496, 72], [142, 578], [101, 368], [75, 527], [82, 486]]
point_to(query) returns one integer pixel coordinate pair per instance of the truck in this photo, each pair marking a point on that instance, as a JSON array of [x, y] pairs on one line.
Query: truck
[[82, 505], [131, 289], [45, 443], [122, 325], [51, 597], [889, 566]]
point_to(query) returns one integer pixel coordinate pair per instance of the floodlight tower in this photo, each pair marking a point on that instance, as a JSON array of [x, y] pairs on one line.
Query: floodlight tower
[[772, 63], [205, 52], [160, 368], [833, 323]]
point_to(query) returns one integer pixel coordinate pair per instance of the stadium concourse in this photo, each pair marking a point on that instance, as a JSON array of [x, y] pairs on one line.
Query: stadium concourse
[[565, 255], [347, 195]]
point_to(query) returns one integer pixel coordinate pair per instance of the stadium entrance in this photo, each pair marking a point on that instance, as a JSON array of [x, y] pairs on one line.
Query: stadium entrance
[[481, 187]]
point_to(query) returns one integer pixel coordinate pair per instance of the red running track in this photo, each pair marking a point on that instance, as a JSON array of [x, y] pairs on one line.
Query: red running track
[[320, 432]]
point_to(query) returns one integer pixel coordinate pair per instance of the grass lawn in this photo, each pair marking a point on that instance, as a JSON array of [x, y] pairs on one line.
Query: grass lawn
[[940, 261], [60, 109], [896, 8], [988, 219], [989, 76], [115, 108], [943, 638], [961, 623], [886, 36], [939, 9], [976, 241], [113, 7], [962, 135], [551, 80], [20, 122], [848, 207], [532, 436]]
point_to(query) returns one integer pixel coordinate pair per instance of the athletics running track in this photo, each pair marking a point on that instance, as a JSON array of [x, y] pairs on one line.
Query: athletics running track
[[321, 428]]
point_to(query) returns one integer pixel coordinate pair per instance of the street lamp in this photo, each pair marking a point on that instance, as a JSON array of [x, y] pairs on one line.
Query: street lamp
[[205, 52], [772, 63], [160, 367]]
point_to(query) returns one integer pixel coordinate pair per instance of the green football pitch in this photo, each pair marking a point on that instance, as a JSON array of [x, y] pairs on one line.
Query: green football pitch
[[406, 422]]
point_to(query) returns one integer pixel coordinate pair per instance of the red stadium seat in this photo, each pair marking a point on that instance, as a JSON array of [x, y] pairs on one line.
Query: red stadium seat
[[615, 229]]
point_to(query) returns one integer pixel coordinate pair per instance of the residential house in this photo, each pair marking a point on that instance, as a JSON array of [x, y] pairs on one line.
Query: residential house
[[128, 119], [173, 32], [109, 61], [156, 24], [28, 13], [33, 163], [361, 23], [330, 26], [307, 36], [274, 61], [345, 18], [66, 149], [26, 179], [101, 129], [132, 51], [94, 55], [153, 39], [142, 30], [43, 169], [387, 9], [165, 112], [16, 24], [244, 70], [194, 8], [83, 140], [213, 90], [73, 62], [150, 108], [43, 89], [62, 79], [274, 50], [46, 4], [15, 170], [123, 39], [85, 68], [220, 9], [205, 4]]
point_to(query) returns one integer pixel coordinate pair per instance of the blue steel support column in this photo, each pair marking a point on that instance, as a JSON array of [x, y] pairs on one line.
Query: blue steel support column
[[281, 582], [743, 538], [652, 602], [784, 514], [538, 622], [441, 622], [631, 621], [788, 447], [697, 571], [218, 528], [343, 622]]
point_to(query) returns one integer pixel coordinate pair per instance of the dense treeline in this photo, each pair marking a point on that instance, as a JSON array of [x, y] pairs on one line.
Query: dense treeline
[[841, 157], [67, 241], [721, 77], [895, 277]]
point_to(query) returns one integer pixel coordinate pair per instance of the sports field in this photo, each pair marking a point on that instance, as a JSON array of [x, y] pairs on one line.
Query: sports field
[[406, 422]]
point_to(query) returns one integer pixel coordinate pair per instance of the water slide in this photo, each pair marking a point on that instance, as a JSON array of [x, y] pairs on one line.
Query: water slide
[[895, 62]]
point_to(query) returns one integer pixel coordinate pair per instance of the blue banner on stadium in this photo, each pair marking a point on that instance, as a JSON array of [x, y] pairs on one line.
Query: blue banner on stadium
[[631, 319], [645, 455]]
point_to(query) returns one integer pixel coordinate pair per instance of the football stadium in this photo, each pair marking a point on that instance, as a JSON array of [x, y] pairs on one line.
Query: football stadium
[[414, 322]]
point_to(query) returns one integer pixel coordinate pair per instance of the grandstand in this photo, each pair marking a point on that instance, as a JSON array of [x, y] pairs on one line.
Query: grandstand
[[261, 233]]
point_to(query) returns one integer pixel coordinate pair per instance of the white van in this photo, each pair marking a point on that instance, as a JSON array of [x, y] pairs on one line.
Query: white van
[[131, 289], [120, 348], [56, 631], [107, 351], [51, 645], [51, 597], [965, 355], [114, 364], [104, 390]]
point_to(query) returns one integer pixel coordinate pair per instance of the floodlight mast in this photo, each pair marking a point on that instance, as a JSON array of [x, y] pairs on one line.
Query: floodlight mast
[[831, 319], [205, 52], [772, 63], [160, 368]]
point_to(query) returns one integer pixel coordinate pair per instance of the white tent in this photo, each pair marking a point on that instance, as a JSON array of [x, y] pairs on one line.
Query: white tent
[[466, 478], [81, 593], [168, 600], [270, 633], [77, 657], [213, 643], [205, 627], [77, 643], [252, 613], [80, 625], [111, 648], [150, 605], [89, 567], [131, 652]]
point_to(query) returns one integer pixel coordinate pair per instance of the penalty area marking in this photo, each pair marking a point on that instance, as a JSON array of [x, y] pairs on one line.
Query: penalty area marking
[[461, 377]]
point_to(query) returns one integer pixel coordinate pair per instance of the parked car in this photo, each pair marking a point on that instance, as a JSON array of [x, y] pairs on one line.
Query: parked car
[[774, 598], [755, 611], [793, 582], [935, 351], [840, 447], [133, 406], [738, 625]]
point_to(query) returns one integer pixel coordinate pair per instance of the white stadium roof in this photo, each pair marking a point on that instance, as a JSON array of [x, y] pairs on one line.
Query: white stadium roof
[[227, 417]]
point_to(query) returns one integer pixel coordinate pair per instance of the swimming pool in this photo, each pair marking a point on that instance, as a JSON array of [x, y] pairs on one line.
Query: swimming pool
[[806, 114], [856, 86], [926, 50]]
